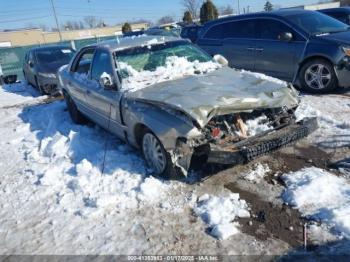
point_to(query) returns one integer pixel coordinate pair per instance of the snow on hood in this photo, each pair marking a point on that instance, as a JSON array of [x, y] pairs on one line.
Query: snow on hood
[[175, 67], [218, 92]]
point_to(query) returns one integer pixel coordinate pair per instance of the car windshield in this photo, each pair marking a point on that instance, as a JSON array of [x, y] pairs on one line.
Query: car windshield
[[316, 23], [54, 55], [149, 58]]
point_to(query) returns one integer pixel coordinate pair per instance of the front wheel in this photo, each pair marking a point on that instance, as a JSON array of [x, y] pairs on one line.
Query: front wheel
[[318, 76], [157, 158], [74, 113]]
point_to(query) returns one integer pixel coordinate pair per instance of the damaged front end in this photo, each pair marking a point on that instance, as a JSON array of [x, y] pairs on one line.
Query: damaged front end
[[241, 137]]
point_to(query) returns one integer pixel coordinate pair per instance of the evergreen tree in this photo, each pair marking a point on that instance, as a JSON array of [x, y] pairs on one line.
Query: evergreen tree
[[268, 6], [126, 28], [208, 12], [187, 17]]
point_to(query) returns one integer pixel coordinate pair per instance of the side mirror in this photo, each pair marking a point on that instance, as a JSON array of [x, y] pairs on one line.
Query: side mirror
[[221, 60], [30, 63], [106, 81], [285, 36]]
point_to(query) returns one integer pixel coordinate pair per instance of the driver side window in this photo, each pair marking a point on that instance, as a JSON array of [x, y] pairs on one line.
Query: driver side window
[[270, 29], [101, 65]]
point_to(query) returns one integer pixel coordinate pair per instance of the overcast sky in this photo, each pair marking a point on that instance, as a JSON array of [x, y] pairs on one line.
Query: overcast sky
[[23, 13]]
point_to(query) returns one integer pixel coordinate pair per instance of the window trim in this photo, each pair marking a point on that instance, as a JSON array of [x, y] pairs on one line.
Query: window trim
[[84, 50], [246, 19]]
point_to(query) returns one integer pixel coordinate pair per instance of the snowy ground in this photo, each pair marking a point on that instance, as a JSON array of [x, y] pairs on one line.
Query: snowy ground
[[56, 200]]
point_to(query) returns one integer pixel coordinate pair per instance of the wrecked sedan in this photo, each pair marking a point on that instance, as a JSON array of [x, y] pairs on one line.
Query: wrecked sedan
[[174, 102]]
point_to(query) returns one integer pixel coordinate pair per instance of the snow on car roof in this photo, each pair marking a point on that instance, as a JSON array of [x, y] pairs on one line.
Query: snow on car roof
[[134, 41]]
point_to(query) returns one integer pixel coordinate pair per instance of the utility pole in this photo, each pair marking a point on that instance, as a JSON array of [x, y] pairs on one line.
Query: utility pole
[[55, 15], [239, 9]]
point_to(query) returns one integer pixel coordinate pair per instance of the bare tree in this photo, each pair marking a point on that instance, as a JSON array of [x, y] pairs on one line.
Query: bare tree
[[166, 20], [192, 6], [90, 21], [226, 10]]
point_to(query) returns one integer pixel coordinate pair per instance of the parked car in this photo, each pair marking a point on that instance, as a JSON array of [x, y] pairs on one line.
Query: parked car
[[190, 32], [133, 33], [342, 14], [41, 65], [135, 89], [308, 48]]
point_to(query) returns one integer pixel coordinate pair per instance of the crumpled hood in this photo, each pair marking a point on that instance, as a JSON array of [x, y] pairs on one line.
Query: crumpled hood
[[220, 92]]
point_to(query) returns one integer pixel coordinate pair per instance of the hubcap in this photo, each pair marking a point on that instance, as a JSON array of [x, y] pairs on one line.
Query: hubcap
[[153, 153], [317, 76]]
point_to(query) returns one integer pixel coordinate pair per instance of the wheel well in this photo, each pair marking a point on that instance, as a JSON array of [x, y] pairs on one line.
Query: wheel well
[[310, 59], [139, 130]]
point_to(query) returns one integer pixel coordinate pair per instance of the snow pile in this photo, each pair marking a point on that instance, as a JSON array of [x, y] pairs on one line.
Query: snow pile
[[175, 67], [220, 212], [320, 195], [257, 125], [257, 173], [334, 124], [67, 160]]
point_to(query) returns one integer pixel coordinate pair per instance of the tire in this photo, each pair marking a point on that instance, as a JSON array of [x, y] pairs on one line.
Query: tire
[[318, 76], [166, 169], [77, 117]]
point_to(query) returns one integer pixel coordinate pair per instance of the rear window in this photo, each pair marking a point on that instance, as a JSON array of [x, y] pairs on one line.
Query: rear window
[[56, 55]]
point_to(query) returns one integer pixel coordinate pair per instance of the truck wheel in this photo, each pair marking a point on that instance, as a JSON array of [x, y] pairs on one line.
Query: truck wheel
[[74, 113], [157, 158], [318, 76]]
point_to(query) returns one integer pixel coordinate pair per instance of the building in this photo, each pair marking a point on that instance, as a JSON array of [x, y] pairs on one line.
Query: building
[[37, 36], [317, 6]]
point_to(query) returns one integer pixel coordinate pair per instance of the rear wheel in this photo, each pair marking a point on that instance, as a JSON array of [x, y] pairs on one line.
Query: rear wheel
[[157, 158], [318, 76], [74, 113]]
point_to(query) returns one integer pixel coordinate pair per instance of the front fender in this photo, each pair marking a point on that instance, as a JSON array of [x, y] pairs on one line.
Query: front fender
[[162, 121]]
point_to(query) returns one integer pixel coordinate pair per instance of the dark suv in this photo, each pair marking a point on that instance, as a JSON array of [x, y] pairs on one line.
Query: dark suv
[[307, 48], [342, 14]]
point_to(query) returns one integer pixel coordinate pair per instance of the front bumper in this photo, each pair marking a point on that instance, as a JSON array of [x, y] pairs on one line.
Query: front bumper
[[251, 148], [48, 84], [343, 77]]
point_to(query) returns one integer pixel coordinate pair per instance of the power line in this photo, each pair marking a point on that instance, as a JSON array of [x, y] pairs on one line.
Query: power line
[[23, 19], [54, 13]]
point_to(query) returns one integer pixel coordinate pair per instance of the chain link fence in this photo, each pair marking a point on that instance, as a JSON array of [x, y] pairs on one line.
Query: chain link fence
[[11, 58]]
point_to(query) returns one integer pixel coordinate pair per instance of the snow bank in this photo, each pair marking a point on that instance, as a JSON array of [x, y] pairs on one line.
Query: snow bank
[[175, 67], [332, 113], [257, 173], [67, 160], [220, 212], [320, 195]]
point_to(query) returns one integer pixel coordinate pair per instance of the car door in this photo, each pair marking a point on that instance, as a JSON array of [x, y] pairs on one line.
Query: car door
[[104, 100], [30, 68], [239, 44], [78, 80], [276, 57]]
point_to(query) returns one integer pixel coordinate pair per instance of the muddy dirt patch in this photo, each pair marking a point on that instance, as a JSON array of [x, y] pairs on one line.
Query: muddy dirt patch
[[269, 220]]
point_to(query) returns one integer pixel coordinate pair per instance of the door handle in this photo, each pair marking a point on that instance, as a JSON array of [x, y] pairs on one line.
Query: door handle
[[250, 48], [259, 49]]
